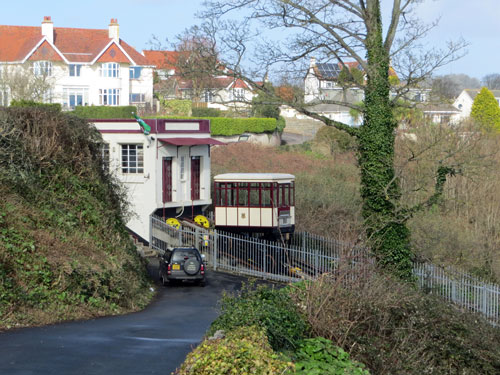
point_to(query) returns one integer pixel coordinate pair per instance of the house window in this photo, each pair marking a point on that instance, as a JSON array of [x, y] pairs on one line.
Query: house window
[[182, 169], [208, 96], [110, 70], [238, 94], [73, 96], [132, 159], [137, 98], [329, 84], [42, 68], [74, 70], [109, 96], [135, 72], [105, 156]]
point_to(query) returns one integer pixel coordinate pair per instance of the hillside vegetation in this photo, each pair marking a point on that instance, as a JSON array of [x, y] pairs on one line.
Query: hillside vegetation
[[462, 229], [64, 250]]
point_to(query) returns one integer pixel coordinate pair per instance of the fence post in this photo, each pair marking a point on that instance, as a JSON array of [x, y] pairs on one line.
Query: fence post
[[215, 249], [484, 302], [265, 257], [151, 231], [179, 231], [197, 238]]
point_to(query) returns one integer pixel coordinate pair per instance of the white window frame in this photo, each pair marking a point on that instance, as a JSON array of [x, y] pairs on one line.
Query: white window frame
[[132, 158], [42, 68], [238, 94], [110, 97], [142, 97], [110, 70], [208, 96], [106, 156], [77, 70], [135, 72], [68, 92]]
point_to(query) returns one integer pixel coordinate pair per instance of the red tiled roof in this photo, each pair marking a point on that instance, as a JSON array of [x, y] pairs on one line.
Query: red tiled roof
[[162, 59], [45, 52], [77, 45], [217, 83]]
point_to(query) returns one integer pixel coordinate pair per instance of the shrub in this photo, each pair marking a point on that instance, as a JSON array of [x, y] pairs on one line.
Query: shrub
[[206, 112], [281, 124], [269, 308], [336, 140], [395, 329], [104, 112], [30, 103], [243, 351], [177, 107], [318, 356]]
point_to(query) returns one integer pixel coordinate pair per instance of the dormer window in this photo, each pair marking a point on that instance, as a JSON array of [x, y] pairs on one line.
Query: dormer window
[[42, 68], [110, 70]]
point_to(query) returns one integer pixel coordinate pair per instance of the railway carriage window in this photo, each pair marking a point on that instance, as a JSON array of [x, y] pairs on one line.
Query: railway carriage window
[[219, 194], [231, 195], [243, 194], [274, 196], [286, 195], [266, 195], [255, 195]]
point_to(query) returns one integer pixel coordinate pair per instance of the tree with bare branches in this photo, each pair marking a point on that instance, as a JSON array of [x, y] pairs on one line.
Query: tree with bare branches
[[279, 36]]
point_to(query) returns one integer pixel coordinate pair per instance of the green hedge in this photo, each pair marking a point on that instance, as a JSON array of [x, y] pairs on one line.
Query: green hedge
[[95, 112], [30, 103], [206, 112], [235, 126]]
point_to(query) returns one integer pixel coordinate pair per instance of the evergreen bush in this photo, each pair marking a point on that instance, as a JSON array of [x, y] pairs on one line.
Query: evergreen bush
[[30, 103], [105, 112], [485, 110]]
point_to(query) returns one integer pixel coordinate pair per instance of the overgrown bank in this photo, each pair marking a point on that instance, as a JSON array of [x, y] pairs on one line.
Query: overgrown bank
[[64, 250], [337, 324]]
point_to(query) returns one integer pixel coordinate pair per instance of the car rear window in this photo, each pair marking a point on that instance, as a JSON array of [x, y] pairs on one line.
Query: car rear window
[[179, 255]]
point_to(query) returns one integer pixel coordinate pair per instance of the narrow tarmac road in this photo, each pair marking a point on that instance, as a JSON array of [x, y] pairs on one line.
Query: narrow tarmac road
[[153, 341]]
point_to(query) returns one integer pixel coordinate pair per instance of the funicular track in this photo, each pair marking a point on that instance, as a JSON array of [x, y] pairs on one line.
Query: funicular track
[[243, 254]]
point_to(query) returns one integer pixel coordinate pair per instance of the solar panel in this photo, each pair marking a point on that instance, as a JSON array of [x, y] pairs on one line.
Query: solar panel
[[329, 70]]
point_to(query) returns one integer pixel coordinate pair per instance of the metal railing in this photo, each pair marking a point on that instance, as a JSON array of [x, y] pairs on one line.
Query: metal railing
[[309, 255]]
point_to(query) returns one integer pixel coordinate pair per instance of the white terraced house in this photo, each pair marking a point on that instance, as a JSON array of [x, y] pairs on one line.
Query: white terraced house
[[78, 66]]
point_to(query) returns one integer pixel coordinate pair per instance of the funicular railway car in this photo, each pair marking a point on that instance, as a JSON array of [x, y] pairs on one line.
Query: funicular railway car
[[255, 203]]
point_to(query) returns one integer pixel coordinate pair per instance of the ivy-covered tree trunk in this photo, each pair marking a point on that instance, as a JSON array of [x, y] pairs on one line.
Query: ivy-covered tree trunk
[[388, 234]]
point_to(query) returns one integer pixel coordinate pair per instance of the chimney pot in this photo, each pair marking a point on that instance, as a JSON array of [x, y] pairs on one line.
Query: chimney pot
[[114, 29]]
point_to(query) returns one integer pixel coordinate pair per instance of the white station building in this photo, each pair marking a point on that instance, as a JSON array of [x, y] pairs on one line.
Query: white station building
[[166, 172]]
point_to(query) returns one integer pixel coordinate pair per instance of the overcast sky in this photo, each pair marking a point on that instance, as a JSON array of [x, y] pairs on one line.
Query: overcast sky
[[477, 21]]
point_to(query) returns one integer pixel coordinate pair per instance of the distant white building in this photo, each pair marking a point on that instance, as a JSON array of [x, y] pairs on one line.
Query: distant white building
[[466, 98], [321, 85], [166, 172], [84, 66]]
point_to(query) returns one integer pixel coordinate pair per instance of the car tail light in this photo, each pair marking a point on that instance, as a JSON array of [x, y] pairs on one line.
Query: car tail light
[[202, 269], [169, 269]]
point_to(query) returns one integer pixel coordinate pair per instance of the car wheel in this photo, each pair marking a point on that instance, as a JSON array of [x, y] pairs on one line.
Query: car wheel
[[191, 267]]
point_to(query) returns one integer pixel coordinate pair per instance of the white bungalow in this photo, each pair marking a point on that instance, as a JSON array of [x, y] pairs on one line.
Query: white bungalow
[[166, 172]]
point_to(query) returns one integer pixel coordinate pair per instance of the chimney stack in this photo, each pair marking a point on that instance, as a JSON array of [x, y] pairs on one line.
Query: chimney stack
[[48, 29], [114, 29], [312, 62]]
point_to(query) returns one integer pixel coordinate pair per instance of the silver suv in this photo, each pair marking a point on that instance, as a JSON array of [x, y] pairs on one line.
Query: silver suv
[[182, 263]]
